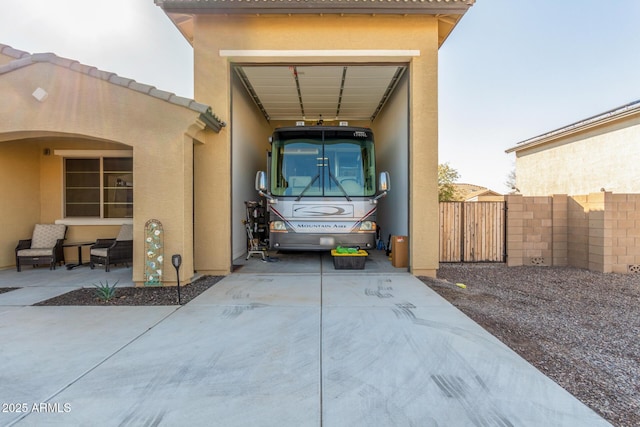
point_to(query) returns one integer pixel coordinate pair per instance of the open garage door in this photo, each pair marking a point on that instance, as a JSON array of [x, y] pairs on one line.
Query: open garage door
[[267, 96], [320, 92]]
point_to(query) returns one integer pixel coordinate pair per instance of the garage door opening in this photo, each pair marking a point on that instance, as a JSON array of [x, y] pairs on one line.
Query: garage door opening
[[319, 93], [267, 97]]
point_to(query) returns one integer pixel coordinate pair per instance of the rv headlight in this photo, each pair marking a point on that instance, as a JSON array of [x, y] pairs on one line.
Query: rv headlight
[[367, 226], [278, 226]]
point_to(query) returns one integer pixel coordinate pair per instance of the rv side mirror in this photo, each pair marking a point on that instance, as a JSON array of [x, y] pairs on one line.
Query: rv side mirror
[[261, 186], [384, 184], [261, 181]]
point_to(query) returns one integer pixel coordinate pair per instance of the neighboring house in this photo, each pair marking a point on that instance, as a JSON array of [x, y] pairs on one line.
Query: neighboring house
[[476, 193], [600, 153], [193, 173]]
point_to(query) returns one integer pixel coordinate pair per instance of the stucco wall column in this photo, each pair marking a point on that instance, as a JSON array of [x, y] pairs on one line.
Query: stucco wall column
[[423, 159], [186, 241], [162, 191], [212, 162]]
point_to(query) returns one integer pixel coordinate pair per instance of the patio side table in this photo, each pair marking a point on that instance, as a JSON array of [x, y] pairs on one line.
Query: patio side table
[[79, 245]]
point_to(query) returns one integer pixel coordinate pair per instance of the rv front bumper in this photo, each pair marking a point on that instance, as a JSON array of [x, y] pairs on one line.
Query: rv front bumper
[[321, 241]]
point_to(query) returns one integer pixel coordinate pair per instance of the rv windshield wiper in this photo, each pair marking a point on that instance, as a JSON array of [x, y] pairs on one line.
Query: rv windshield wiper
[[339, 186], [315, 178]]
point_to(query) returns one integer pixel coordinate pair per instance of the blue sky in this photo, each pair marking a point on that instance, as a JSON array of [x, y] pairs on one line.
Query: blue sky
[[510, 70], [513, 69]]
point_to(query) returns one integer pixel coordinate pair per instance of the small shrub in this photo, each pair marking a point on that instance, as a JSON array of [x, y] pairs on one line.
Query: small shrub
[[105, 292]]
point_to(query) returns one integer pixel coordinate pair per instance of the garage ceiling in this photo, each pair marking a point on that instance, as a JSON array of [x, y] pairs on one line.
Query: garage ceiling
[[315, 92]]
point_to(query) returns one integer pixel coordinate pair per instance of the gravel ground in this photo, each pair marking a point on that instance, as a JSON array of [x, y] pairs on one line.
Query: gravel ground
[[581, 328], [136, 296]]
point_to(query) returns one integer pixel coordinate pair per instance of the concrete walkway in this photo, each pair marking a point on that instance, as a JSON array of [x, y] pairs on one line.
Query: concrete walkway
[[40, 284], [275, 348]]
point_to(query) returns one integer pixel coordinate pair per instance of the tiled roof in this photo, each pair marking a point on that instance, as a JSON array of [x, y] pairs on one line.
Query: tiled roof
[[24, 59], [607, 116], [315, 6]]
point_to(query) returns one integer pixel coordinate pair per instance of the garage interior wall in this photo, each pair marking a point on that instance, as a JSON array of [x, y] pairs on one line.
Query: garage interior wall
[[391, 132], [249, 145]]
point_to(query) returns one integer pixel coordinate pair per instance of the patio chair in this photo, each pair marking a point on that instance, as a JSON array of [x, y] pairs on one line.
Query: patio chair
[[44, 247], [113, 251]]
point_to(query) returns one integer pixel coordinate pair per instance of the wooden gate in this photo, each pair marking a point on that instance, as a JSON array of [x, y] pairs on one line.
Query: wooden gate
[[472, 232]]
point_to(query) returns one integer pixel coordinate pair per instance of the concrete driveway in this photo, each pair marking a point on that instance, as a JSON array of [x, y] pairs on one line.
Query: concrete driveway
[[274, 348]]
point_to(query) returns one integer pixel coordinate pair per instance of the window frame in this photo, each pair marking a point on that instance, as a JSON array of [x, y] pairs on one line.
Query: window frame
[[92, 154]]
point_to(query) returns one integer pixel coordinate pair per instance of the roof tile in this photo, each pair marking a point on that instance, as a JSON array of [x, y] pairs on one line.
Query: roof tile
[[162, 94], [140, 87], [120, 81], [14, 65], [179, 100], [81, 68], [104, 75], [303, 6]]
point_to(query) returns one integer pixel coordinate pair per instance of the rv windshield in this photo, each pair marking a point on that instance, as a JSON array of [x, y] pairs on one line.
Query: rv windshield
[[322, 163]]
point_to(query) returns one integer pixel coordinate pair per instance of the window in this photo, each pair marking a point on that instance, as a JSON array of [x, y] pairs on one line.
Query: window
[[99, 188]]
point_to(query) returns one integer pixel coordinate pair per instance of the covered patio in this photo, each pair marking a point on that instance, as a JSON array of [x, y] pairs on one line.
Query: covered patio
[[71, 130]]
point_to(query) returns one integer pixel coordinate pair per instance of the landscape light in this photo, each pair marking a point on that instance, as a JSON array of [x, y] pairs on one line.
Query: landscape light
[[176, 260]]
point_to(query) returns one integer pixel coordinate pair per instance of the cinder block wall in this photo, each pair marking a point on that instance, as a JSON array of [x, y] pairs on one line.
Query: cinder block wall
[[538, 230], [578, 232], [599, 232], [529, 230], [560, 230], [515, 230], [623, 217]]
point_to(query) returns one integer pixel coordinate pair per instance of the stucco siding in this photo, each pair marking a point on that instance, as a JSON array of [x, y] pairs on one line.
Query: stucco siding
[[213, 33], [606, 158], [20, 195], [82, 112], [212, 160], [423, 159]]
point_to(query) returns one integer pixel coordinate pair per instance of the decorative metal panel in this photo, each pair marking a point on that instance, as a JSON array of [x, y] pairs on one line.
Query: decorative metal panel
[[154, 253]]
